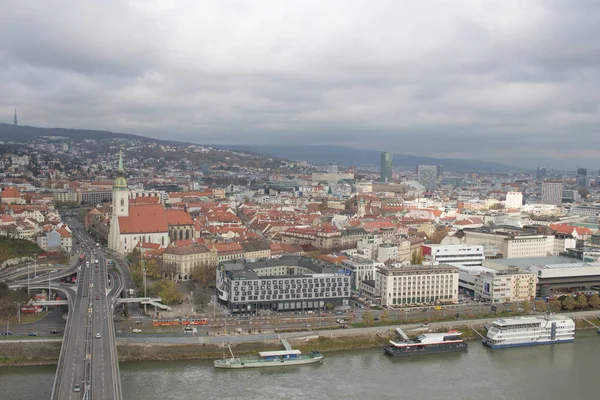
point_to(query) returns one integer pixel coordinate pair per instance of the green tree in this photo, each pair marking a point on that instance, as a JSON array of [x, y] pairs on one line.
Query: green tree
[[138, 277], [595, 301], [540, 305], [368, 318], [581, 301], [555, 306], [417, 257], [329, 306], [568, 303], [526, 306], [167, 290], [152, 269]]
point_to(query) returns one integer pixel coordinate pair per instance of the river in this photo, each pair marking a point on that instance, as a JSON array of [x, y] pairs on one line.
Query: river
[[565, 371]]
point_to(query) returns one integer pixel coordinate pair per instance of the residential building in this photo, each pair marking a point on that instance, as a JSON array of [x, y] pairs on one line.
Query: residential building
[[541, 173], [552, 192], [279, 284], [514, 199], [187, 261], [387, 251], [416, 284], [10, 195]]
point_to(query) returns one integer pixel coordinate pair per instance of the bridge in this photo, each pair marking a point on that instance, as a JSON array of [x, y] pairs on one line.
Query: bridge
[[156, 302], [88, 366]]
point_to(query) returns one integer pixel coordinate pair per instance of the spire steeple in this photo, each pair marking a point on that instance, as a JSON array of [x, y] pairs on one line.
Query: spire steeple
[[121, 170], [120, 182]]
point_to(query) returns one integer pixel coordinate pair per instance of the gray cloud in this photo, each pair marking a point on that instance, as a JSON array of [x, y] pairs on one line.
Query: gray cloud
[[505, 81]]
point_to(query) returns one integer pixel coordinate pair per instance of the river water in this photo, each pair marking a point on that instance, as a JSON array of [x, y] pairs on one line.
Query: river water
[[565, 371]]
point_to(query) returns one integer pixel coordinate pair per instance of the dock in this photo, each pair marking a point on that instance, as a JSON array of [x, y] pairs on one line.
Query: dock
[[591, 323], [286, 344], [478, 334]]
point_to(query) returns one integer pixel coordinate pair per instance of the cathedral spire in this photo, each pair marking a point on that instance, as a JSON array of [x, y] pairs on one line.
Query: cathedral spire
[[121, 170], [15, 119]]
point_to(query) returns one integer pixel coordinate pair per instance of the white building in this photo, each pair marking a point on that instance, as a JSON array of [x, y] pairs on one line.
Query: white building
[[514, 199], [456, 255], [360, 270], [416, 284], [505, 286], [387, 251], [512, 243]]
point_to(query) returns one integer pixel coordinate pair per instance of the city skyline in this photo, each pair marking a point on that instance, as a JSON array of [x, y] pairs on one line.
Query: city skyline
[[468, 80]]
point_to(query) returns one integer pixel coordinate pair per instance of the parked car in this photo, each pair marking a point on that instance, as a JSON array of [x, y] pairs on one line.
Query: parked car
[[55, 331], [138, 322], [137, 331], [7, 333], [32, 334]]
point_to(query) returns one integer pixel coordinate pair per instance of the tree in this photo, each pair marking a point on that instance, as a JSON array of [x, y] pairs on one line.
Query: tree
[[385, 316], [581, 301], [417, 257], [138, 277], [497, 206], [526, 306], [368, 318], [594, 301], [167, 290], [568, 303], [555, 306], [152, 269], [540, 305], [329, 306]]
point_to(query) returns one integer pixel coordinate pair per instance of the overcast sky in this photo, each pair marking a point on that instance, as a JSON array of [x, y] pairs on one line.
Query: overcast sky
[[509, 81]]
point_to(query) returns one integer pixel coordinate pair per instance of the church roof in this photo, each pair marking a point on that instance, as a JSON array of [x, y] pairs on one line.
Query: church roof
[[179, 217], [144, 219]]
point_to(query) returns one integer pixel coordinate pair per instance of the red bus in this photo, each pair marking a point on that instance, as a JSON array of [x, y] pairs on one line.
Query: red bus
[[166, 322]]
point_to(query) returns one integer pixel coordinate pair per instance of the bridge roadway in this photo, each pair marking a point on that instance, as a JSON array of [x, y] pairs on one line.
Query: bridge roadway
[[88, 358]]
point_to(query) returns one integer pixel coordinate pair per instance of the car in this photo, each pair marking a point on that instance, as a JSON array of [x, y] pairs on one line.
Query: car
[[137, 331], [55, 331], [97, 297], [188, 329], [323, 315], [98, 336], [77, 388], [32, 334], [138, 322], [308, 325], [339, 312], [7, 333], [425, 325]]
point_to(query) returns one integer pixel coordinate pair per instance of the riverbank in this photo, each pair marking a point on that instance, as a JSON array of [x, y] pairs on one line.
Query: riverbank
[[46, 351]]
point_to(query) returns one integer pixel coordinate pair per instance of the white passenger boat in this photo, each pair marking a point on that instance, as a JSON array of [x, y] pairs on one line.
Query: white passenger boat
[[528, 331]]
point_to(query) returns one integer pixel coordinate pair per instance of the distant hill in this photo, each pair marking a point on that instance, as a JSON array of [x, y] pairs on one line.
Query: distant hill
[[18, 133], [361, 157], [313, 154]]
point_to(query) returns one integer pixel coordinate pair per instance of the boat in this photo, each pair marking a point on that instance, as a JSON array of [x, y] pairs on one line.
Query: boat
[[529, 331], [426, 343], [277, 358]]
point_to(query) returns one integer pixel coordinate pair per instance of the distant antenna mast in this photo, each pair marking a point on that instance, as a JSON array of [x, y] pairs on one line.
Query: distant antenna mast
[[15, 119]]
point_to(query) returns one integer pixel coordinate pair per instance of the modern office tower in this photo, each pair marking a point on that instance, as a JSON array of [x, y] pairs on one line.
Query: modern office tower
[[582, 178], [541, 173], [552, 192], [427, 176], [386, 167]]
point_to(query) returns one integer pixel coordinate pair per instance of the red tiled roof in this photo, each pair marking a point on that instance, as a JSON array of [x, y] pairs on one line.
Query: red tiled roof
[[179, 217], [10, 192], [144, 219], [145, 200]]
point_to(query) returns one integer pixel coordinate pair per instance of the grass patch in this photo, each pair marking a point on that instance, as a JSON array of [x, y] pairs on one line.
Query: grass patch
[[16, 248], [25, 318]]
